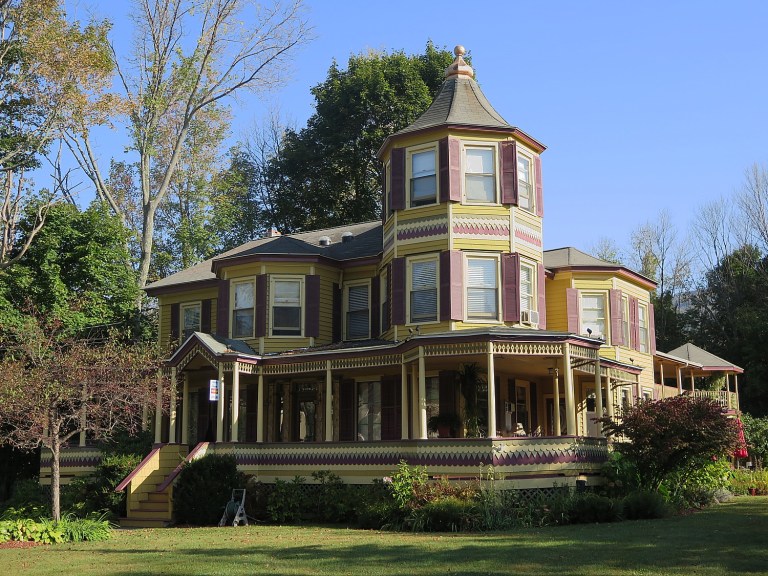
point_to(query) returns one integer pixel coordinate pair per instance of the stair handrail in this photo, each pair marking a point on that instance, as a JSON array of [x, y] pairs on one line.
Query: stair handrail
[[127, 480], [201, 446]]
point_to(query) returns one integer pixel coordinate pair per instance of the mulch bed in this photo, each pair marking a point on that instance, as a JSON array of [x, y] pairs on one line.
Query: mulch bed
[[17, 544]]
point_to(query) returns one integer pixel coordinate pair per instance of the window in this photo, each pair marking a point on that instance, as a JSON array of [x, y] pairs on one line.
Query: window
[[642, 322], [423, 178], [647, 394], [368, 411], [242, 313], [527, 291], [517, 409], [482, 289], [479, 174], [625, 319], [358, 319], [423, 297], [286, 307], [190, 320], [593, 315], [432, 391], [524, 183]]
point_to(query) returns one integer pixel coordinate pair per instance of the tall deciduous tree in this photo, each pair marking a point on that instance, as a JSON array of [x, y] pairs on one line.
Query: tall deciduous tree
[[54, 388], [52, 74], [327, 173], [238, 45]]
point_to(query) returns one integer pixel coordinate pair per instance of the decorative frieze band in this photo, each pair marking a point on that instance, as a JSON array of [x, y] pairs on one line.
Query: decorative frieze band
[[421, 228], [298, 367], [528, 348], [194, 352], [456, 349], [367, 362], [528, 236], [481, 227]]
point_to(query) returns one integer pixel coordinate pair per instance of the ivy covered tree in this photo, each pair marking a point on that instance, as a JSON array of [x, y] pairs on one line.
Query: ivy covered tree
[[672, 437]]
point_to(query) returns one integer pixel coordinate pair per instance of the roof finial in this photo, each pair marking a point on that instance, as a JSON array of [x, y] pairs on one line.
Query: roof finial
[[459, 67]]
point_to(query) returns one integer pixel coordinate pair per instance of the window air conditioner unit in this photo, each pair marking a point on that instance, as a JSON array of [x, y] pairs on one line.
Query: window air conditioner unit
[[529, 317]]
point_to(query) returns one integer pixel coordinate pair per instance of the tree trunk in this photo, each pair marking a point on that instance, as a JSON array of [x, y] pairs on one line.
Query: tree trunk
[[55, 477], [147, 237]]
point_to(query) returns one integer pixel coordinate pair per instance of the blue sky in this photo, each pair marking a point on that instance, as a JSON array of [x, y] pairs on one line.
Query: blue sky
[[643, 106]]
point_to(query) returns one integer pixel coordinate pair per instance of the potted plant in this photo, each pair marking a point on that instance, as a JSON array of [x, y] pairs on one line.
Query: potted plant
[[446, 425]]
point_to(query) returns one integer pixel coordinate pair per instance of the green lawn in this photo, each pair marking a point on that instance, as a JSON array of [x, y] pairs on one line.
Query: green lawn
[[726, 539]]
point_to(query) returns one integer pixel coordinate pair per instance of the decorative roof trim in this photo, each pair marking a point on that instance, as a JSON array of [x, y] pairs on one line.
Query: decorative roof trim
[[647, 282], [182, 287]]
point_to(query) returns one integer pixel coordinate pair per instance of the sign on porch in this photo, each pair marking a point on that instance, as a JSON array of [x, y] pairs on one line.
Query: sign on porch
[[213, 391]]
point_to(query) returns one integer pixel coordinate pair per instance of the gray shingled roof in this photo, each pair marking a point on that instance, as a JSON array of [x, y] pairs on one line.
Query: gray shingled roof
[[699, 356], [565, 257], [461, 102], [367, 241]]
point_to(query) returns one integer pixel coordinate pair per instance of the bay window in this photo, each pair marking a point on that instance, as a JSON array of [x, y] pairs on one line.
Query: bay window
[[242, 312], [190, 320], [423, 178], [479, 175], [482, 289], [358, 318], [423, 291], [593, 314], [286, 307], [524, 183]]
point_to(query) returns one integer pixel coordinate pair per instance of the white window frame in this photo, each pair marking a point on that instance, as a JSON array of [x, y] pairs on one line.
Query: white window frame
[[495, 175], [647, 393], [482, 256], [606, 328], [534, 295], [642, 327], [531, 184], [347, 286], [186, 306], [235, 284], [409, 175], [409, 280], [274, 279]]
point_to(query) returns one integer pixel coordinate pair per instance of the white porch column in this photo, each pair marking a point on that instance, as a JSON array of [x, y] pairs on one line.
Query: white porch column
[[491, 393], [693, 383], [159, 410], [404, 402], [556, 401], [235, 400], [570, 402], [172, 409], [661, 375], [260, 409], [608, 397], [598, 395], [83, 415], [422, 395], [736, 387], [220, 407], [328, 402], [679, 380], [185, 410], [414, 403]]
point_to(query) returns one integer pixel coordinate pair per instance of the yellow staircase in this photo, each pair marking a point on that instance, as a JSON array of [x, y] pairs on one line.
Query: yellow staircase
[[150, 487]]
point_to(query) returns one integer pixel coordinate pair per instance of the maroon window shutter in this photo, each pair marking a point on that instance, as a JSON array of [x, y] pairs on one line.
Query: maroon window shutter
[[451, 286], [510, 282], [312, 313], [539, 186], [337, 319], [398, 291], [222, 310], [261, 305], [385, 201], [205, 316], [175, 321], [617, 317], [375, 307], [634, 326], [572, 309], [391, 405], [508, 173], [542, 297], [347, 404], [454, 167], [397, 186], [387, 297], [651, 329]]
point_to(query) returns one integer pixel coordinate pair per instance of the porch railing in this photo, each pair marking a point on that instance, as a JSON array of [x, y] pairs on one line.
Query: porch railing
[[725, 398]]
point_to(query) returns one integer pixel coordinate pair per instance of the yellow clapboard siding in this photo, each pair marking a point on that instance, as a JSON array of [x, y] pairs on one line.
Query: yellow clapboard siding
[[422, 247], [469, 244]]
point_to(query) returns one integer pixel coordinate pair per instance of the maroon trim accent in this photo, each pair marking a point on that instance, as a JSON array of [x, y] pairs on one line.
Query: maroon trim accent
[[450, 169], [336, 320], [312, 299], [510, 282], [398, 291], [542, 288], [176, 471], [572, 309], [451, 286], [508, 172], [651, 329], [175, 321], [375, 307], [205, 316], [182, 287], [617, 317], [444, 169], [397, 186], [260, 303], [539, 186], [634, 325], [222, 310], [127, 480]]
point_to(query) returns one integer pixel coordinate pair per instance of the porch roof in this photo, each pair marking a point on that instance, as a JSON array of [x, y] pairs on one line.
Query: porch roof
[[706, 360]]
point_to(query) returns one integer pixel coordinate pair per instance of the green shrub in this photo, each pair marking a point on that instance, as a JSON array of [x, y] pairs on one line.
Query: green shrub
[[287, 501], [28, 500], [204, 488], [332, 502], [379, 515], [589, 508], [123, 443], [405, 482], [643, 504], [448, 514], [84, 529], [96, 493], [743, 480]]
